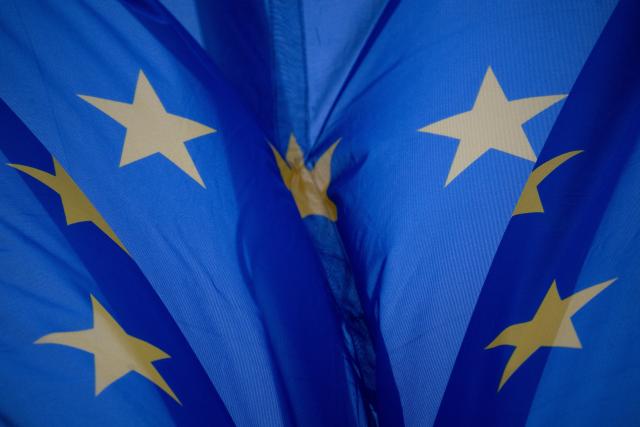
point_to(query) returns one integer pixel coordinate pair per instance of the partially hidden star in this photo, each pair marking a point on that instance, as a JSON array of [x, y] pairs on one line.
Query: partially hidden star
[[76, 205], [494, 122], [308, 187], [551, 326], [115, 352], [151, 129], [530, 201]]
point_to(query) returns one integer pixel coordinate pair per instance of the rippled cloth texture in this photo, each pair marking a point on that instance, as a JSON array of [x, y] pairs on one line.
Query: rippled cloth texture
[[465, 168]]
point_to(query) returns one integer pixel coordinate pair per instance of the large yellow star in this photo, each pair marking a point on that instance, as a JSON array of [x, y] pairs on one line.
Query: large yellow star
[[115, 352], [150, 129], [494, 122], [77, 207], [551, 326], [529, 201], [309, 188]]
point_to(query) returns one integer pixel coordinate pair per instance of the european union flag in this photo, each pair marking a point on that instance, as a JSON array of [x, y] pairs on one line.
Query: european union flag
[[157, 270], [566, 272], [319, 213]]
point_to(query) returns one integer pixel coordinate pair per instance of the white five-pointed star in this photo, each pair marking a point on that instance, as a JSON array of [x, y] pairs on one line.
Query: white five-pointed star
[[150, 129], [493, 122]]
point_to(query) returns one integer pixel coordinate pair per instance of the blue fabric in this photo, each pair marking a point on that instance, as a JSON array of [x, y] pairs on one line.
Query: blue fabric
[[302, 66], [229, 263], [51, 270], [421, 251], [418, 252], [587, 234], [379, 318]]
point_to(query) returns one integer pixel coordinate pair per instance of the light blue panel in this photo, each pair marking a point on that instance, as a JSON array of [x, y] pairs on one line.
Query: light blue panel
[[421, 251]]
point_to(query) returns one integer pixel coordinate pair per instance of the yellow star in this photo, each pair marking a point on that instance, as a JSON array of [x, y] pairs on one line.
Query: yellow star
[[529, 201], [150, 129], [550, 327], [494, 122], [115, 352], [309, 188], [77, 207]]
